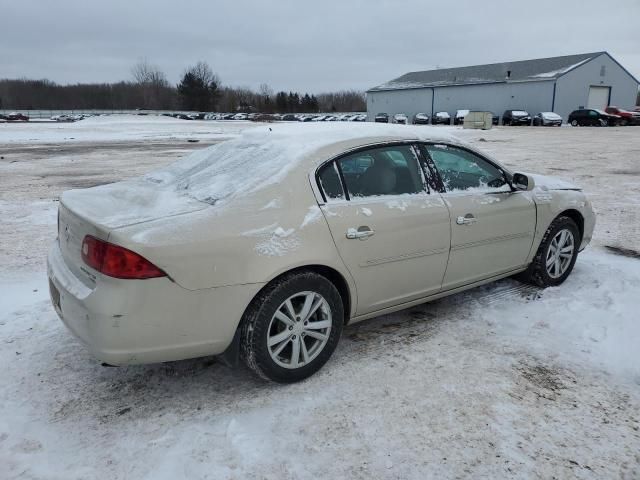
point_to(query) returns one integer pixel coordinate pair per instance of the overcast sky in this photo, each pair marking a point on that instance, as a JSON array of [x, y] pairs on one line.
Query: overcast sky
[[303, 45]]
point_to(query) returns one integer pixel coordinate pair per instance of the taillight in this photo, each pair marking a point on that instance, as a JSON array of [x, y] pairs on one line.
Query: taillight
[[116, 261]]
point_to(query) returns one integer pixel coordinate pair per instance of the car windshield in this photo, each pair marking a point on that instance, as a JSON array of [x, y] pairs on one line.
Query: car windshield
[[550, 115], [519, 113]]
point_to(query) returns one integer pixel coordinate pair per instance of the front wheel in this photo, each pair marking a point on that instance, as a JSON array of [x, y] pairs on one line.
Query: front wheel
[[574, 123], [292, 327], [556, 254]]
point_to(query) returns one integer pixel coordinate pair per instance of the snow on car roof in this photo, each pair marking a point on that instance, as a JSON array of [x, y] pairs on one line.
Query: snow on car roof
[[264, 156]]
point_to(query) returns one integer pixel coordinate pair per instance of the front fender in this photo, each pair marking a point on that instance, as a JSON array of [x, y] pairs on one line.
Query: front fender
[[551, 204]]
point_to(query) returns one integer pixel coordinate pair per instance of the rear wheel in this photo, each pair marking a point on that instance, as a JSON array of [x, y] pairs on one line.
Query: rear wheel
[[624, 122], [292, 327], [556, 254]]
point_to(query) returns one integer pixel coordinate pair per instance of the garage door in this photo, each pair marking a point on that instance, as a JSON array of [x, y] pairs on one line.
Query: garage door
[[598, 97]]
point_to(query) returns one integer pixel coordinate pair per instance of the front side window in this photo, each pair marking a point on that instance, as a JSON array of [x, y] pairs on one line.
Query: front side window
[[462, 170], [391, 170]]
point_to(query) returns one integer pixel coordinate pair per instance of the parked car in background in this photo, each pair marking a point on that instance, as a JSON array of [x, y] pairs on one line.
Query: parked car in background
[[495, 119], [126, 280], [626, 117], [458, 119], [16, 117], [421, 119], [400, 118], [63, 118], [547, 119], [516, 117], [441, 118], [381, 118], [592, 117]]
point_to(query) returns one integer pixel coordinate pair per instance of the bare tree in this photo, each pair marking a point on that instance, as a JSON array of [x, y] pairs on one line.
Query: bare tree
[[144, 72], [155, 89], [203, 72]]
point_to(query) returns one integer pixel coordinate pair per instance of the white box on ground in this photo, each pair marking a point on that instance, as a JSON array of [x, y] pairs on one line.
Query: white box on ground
[[478, 120]]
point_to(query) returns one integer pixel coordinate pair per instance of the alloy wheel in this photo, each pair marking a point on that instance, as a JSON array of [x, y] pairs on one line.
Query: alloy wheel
[[560, 253], [299, 330]]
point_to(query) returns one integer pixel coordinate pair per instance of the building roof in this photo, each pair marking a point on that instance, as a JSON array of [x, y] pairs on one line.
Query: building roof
[[540, 69]]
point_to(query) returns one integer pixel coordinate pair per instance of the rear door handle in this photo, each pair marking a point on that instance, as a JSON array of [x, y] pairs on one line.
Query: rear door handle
[[468, 219], [361, 233]]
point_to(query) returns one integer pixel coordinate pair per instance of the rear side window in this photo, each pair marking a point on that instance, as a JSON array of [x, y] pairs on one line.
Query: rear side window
[[391, 170], [330, 182]]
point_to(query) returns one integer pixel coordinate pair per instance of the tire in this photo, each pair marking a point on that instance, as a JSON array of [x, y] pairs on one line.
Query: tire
[[538, 273], [624, 122], [574, 123], [262, 323]]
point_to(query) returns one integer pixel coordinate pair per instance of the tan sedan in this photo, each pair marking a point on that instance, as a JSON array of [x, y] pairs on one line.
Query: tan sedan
[[263, 247]]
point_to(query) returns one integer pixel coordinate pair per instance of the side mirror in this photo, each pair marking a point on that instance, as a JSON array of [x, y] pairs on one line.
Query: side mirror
[[522, 181]]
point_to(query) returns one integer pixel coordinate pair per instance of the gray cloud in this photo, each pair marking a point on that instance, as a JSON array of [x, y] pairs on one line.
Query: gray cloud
[[303, 45]]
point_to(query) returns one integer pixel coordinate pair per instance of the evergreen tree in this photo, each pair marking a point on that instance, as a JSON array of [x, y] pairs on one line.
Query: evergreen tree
[[199, 88], [281, 102]]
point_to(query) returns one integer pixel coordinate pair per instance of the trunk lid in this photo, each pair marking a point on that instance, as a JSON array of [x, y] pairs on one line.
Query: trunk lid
[[99, 210], [71, 231]]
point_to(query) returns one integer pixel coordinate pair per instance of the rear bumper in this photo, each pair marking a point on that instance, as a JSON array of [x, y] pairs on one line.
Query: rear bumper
[[125, 322]]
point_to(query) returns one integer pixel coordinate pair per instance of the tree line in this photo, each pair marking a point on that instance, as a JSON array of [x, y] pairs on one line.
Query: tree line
[[200, 89]]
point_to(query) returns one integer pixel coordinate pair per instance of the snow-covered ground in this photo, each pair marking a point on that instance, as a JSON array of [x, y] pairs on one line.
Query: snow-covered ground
[[501, 381], [114, 128]]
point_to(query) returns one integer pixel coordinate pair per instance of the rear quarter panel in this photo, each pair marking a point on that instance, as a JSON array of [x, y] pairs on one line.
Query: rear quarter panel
[[252, 241]]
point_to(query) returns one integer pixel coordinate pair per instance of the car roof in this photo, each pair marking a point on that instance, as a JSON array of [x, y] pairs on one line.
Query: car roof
[[261, 158]]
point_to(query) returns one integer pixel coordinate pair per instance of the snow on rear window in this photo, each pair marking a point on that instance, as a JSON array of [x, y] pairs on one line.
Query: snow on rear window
[[260, 158], [520, 113]]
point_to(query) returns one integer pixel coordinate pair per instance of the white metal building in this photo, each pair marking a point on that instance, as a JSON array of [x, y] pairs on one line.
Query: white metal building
[[558, 84]]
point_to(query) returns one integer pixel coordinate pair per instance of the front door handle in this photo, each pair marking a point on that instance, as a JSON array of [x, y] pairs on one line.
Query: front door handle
[[468, 219], [361, 233]]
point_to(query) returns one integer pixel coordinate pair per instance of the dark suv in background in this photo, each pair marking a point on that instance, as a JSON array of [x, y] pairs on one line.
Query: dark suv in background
[[381, 118], [516, 117], [592, 116]]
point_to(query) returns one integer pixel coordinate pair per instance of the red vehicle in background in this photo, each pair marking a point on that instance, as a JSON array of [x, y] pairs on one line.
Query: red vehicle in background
[[16, 117], [626, 117]]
